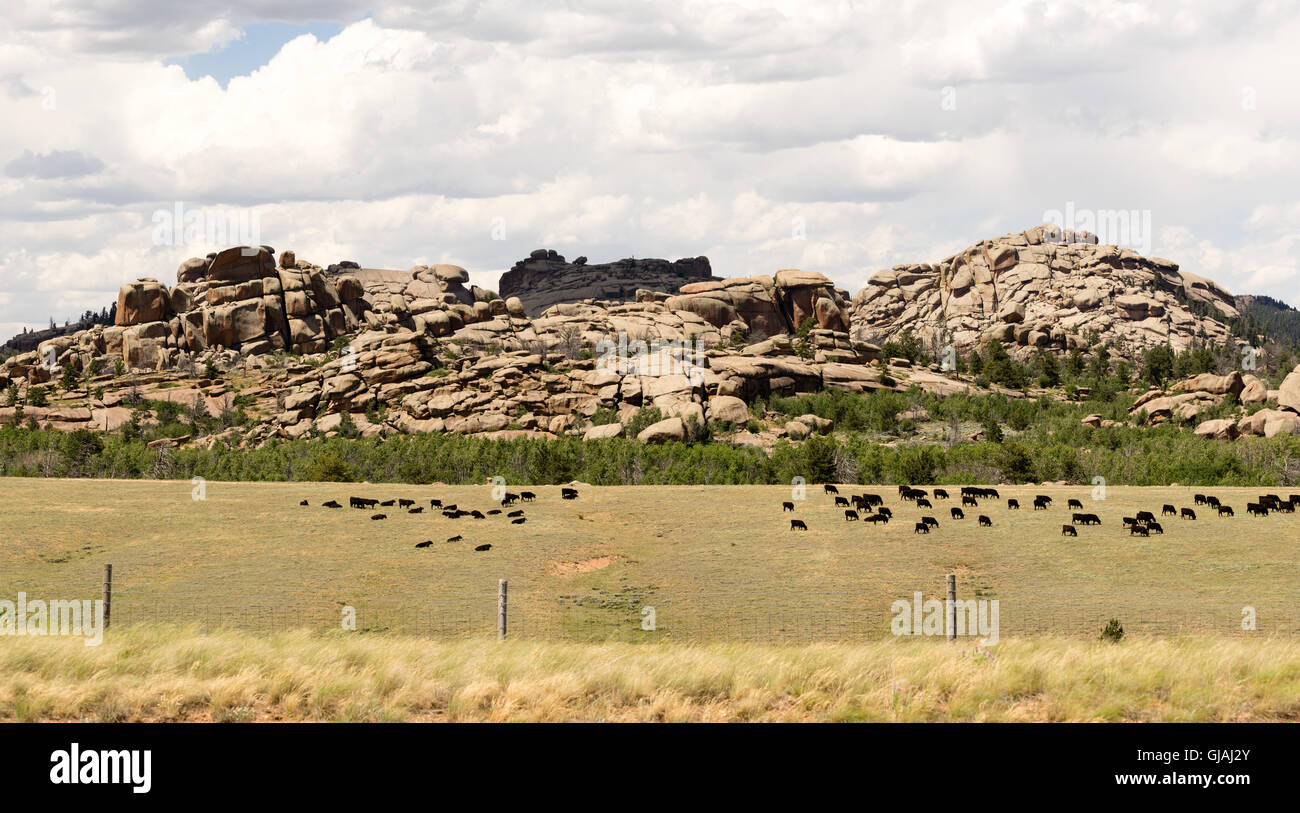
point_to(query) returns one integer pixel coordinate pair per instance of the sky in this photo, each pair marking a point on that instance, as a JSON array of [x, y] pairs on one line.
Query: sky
[[839, 137]]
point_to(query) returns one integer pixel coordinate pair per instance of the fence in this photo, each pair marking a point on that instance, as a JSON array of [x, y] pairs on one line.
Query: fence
[[839, 613]]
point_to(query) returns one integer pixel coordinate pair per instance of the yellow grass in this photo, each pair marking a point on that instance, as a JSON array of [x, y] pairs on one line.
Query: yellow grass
[[165, 673]]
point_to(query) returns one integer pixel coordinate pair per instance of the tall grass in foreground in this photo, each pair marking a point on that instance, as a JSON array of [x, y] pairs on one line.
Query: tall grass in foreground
[[161, 673]]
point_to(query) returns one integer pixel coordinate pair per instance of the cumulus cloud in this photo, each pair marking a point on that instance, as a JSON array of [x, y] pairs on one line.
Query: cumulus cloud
[[841, 137]]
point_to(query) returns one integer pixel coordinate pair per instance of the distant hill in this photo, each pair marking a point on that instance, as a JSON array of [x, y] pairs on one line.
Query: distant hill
[[1278, 320]]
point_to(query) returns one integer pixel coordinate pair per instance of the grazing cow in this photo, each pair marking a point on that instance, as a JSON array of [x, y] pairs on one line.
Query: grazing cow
[[451, 507], [1256, 510], [509, 498], [1225, 511], [873, 499], [455, 538], [304, 502], [1146, 517], [1168, 511], [840, 501], [831, 489], [931, 521], [923, 503], [1068, 530], [1188, 513], [419, 509], [858, 501], [940, 494], [885, 511], [1089, 519], [798, 525], [1211, 501], [516, 513], [921, 528], [874, 518], [969, 501], [527, 496], [1013, 505], [357, 502], [387, 503], [332, 504], [787, 506], [985, 522], [426, 543], [1074, 504], [435, 503], [1154, 527], [1199, 499], [484, 547], [379, 516], [1082, 519], [568, 493], [1138, 530], [405, 503], [519, 521], [1044, 498], [1039, 505], [957, 514], [1286, 507], [1130, 521], [850, 515]]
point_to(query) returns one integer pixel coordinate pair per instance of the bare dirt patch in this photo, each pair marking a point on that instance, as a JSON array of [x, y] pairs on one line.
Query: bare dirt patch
[[585, 566]]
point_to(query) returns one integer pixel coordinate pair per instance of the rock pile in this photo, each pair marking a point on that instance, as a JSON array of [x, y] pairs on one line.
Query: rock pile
[[545, 278]]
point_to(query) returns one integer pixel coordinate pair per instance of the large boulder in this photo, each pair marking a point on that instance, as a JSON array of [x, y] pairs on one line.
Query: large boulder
[[142, 301], [241, 264], [1288, 395], [664, 431]]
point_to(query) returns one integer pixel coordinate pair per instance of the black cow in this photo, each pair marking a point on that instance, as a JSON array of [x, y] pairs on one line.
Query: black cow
[[874, 518], [1287, 507], [1044, 498], [1013, 505], [387, 503], [885, 511], [331, 504], [873, 499], [1130, 521], [850, 515], [1039, 505], [921, 528], [1168, 511], [435, 503], [797, 525], [940, 494], [1074, 504], [1211, 501], [1188, 513], [455, 538], [969, 501], [985, 522], [1154, 527], [787, 506], [419, 509], [519, 521], [1068, 530], [426, 543], [831, 489], [1146, 517], [1199, 499], [477, 514], [304, 502], [1138, 530], [484, 547], [569, 493], [1255, 509], [405, 503], [517, 513], [1225, 511], [923, 503], [931, 521], [509, 498], [957, 514], [527, 496], [840, 501], [379, 516]]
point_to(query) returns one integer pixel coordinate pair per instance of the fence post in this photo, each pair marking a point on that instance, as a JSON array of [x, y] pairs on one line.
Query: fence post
[[952, 606], [108, 594], [501, 609]]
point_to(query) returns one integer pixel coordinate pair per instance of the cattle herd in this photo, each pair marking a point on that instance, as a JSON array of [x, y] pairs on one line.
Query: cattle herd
[[449, 511], [871, 508]]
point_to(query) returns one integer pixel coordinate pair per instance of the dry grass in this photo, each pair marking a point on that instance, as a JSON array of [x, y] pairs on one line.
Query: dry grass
[[164, 673], [715, 563]]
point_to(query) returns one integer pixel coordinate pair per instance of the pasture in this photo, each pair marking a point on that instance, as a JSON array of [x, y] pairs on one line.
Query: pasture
[[715, 563]]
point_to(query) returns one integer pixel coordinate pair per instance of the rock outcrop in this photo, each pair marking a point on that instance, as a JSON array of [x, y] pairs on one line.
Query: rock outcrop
[[545, 278], [1031, 290]]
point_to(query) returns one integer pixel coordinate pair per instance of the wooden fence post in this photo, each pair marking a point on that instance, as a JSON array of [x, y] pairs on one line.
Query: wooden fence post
[[501, 609], [952, 606], [108, 594]]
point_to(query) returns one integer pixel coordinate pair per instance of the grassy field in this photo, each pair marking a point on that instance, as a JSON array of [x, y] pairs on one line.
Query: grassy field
[[164, 673], [714, 563]]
